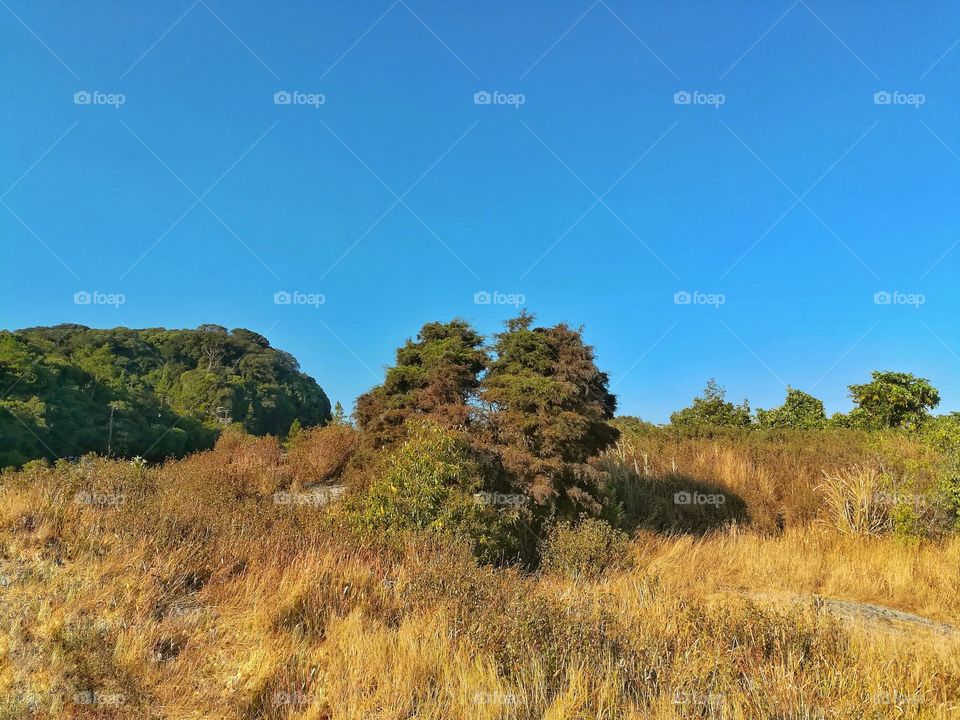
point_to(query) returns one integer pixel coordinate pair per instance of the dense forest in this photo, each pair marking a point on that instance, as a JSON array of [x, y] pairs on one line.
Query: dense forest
[[69, 389]]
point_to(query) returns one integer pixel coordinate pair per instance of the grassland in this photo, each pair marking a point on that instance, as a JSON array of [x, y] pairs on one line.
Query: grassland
[[188, 591]]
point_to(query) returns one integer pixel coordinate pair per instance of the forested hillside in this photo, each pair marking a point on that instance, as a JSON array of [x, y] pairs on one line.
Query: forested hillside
[[69, 389]]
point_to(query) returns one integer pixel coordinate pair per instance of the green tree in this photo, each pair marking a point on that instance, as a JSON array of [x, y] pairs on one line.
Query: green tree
[[712, 410], [435, 377], [154, 392], [893, 400], [547, 412], [339, 416], [799, 410]]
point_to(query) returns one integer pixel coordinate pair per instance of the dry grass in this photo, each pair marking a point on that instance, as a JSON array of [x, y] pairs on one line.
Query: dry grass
[[852, 503], [186, 592]]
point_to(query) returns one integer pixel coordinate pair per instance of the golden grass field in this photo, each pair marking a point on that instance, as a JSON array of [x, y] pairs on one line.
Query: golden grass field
[[187, 591]]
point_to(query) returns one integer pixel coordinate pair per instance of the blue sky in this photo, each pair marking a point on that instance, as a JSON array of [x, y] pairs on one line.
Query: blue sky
[[782, 197]]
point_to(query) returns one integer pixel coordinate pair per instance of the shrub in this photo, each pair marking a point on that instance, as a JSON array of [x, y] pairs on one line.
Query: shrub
[[319, 455], [584, 551], [429, 484], [244, 465]]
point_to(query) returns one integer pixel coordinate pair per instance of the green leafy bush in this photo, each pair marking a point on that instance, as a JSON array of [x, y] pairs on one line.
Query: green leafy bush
[[434, 482]]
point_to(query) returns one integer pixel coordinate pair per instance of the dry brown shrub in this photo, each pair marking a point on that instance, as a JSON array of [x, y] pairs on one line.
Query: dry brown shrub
[[320, 455]]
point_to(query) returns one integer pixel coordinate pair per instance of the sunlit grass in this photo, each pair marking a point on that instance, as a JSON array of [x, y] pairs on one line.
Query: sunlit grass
[[192, 594]]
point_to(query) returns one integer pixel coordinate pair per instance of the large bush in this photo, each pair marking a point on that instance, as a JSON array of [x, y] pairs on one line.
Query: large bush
[[434, 482]]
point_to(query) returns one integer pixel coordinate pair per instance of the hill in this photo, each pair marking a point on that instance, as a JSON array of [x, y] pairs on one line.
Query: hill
[[69, 389]]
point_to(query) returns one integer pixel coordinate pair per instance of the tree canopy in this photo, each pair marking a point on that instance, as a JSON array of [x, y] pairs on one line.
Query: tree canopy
[[70, 389], [892, 400], [435, 377], [799, 410], [712, 410]]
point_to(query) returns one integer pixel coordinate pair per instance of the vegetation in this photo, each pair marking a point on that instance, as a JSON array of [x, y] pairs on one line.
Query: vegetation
[[435, 376], [503, 548], [799, 410], [712, 410], [71, 390], [893, 400], [549, 412], [186, 590], [531, 411]]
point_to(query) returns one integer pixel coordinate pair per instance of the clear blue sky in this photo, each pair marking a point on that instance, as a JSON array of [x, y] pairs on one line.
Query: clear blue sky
[[784, 186]]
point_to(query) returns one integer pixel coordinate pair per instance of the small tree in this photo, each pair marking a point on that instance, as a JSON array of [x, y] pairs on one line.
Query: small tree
[[339, 416], [799, 410], [893, 400], [712, 410], [548, 409]]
